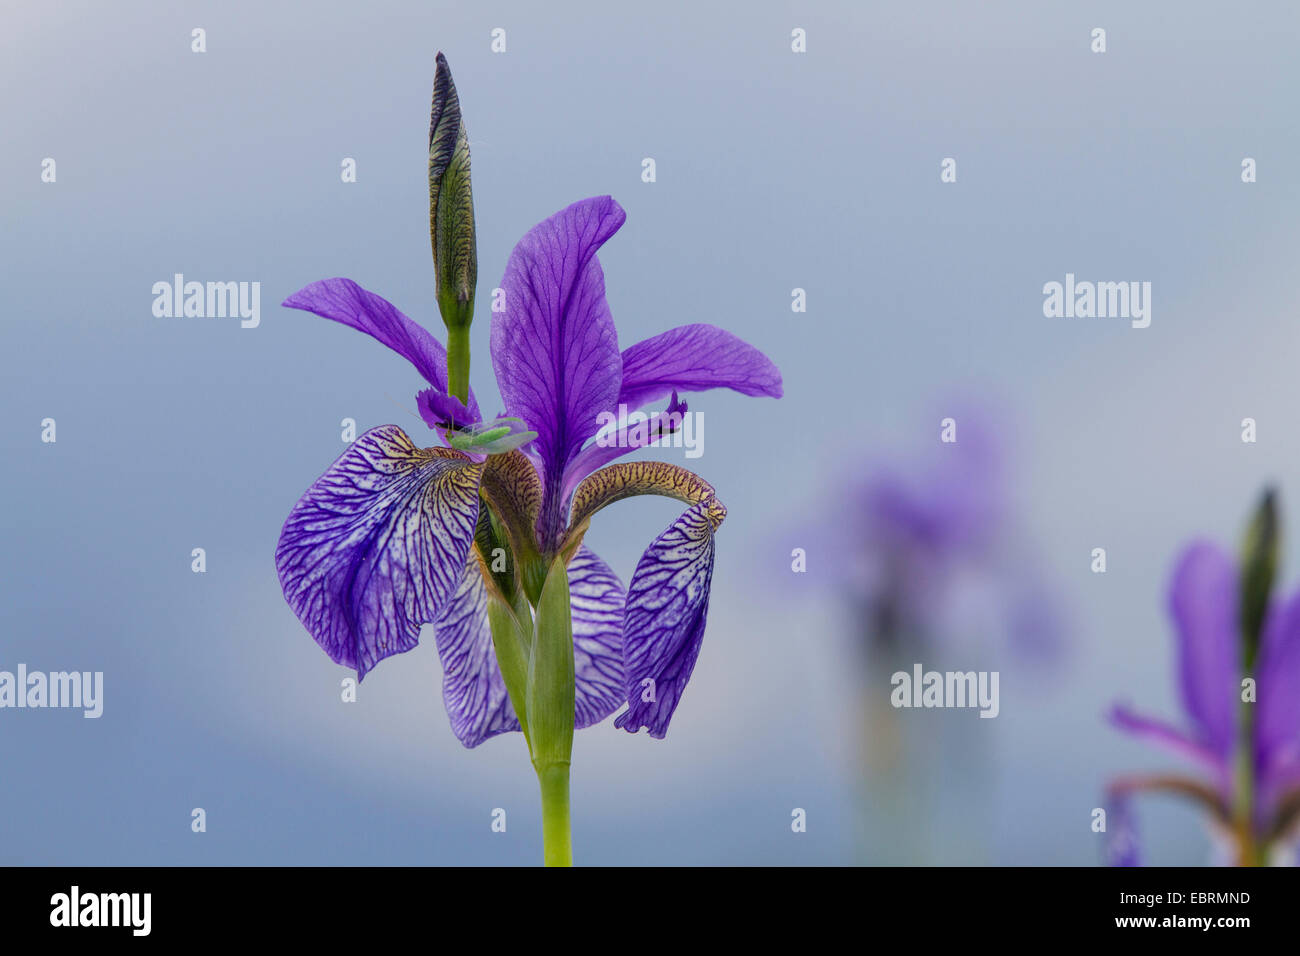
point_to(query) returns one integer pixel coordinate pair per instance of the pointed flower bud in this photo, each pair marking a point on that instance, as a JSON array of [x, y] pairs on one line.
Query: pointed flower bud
[[1258, 567], [451, 204]]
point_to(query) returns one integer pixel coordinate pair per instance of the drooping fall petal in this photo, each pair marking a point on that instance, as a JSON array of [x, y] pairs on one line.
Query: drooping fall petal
[[668, 597], [377, 545], [632, 478], [596, 597], [667, 604], [473, 690]]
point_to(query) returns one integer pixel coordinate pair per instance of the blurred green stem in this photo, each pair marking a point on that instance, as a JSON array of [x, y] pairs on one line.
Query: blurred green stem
[[1252, 851]]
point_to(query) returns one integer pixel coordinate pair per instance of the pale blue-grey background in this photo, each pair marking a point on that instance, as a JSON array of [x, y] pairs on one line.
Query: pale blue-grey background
[[775, 170]]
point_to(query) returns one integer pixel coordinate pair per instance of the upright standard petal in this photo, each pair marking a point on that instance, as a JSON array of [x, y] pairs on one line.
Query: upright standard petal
[[694, 358], [473, 690], [554, 347], [344, 301], [1277, 727], [596, 599], [1203, 600], [378, 544]]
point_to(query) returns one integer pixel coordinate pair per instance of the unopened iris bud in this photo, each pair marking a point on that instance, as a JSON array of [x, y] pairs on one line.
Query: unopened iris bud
[[1258, 568], [451, 203], [451, 226]]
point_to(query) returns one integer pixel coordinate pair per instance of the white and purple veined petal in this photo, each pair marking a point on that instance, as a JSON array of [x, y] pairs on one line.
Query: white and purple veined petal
[[596, 606], [376, 546], [663, 627], [473, 690]]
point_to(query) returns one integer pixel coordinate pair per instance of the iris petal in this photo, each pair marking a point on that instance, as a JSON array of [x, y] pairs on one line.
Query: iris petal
[[620, 442], [1203, 599], [1278, 685], [554, 347], [1121, 846], [596, 599], [631, 478], [668, 598], [473, 690], [694, 358], [667, 603], [344, 301], [512, 488], [377, 545], [1168, 737]]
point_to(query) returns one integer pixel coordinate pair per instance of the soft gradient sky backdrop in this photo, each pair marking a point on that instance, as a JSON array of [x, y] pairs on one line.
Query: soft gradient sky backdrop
[[775, 171]]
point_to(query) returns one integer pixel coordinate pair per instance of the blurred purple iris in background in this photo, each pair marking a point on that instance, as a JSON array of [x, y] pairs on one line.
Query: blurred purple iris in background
[[1238, 671], [922, 552], [932, 567]]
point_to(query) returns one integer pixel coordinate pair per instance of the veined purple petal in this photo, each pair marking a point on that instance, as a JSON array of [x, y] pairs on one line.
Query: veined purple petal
[[1277, 726], [596, 599], [436, 408], [667, 603], [377, 545], [344, 301], [554, 347], [694, 358], [1203, 600], [620, 442], [473, 690]]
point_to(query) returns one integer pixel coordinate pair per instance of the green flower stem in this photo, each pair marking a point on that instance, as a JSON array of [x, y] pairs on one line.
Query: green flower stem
[[511, 643], [557, 843], [1252, 850], [458, 363], [550, 706]]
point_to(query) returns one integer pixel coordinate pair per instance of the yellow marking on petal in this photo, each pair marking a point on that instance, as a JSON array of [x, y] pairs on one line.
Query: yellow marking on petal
[[511, 487], [630, 478]]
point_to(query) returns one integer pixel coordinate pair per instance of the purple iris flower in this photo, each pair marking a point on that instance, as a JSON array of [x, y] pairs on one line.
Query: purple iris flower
[[929, 550], [394, 536], [1236, 737]]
